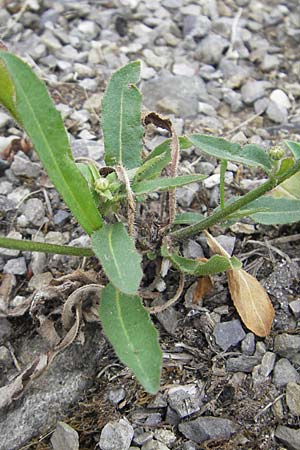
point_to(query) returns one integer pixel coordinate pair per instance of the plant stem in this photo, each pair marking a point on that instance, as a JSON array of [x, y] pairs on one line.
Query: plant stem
[[222, 214], [222, 182], [32, 246]]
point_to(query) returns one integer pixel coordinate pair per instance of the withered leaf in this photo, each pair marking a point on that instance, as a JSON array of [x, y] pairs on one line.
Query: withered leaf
[[215, 246], [203, 286], [251, 301]]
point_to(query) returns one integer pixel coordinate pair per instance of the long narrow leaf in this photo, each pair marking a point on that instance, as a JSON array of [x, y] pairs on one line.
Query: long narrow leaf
[[294, 147], [121, 118], [250, 155], [118, 256], [164, 184], [28, 101], [134, 338], [275, 210]]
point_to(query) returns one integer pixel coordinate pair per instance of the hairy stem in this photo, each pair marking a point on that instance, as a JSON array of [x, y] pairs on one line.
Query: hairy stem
[[222, 214], [43, 247]]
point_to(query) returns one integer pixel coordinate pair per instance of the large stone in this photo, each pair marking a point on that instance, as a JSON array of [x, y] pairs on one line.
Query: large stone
[[288, 436], [285, 373], [64, 437], [205, 428], [287, 345], [116, 436], [228, 334]]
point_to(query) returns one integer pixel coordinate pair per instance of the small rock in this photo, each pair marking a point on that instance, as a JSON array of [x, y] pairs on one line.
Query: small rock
[[267, 363], [61, 217], [192, 249], [285, 373], [16, 266], [205, 108], [203, 167], [277, 113], [287, 345], [5, 329], [214, 180], [154, 445], [280, 98], [167, 437], [34, 211], [22, 166], [253, 90], [292, 397], [186, 195], [116, 395], [142, 438], [188, 446], [295, 308], [40, 280], [18, 194], [185, 400], [288, 436], [205, 428], [261, 105], [5, 187], [248, 344], [116, 435], [228, 334], [242, 363], [227, 242], [169, 317], [64, 437], [183, 69], [270, 62], [93, 103], [173, 4]]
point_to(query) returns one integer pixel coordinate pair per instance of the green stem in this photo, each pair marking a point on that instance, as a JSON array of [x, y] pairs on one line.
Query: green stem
[[222, 182], [222, 214], [32, 246]]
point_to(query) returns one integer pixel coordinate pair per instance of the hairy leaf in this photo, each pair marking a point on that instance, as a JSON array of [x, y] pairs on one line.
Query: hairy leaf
[[216, 264], [153, 167], [134, 338], [118, 256], [164, 184], [188, 218], [294, 147], [121, 118], [27, 99], [184, 143], [251, 301], [275, 210], [290, 188], [249, 155]]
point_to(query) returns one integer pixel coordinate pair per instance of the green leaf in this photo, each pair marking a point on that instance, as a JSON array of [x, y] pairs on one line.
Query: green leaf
[[133, 336], [121, 118], [276, 210], [27, 99], [153, 167], [214, 265], [249, 155], [188, 218], [294, 147], [184, 143], [118, 256], [290, 188], [164, 184]]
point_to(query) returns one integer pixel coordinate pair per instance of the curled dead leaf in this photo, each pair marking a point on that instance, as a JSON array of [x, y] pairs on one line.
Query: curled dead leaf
[[251, 301]]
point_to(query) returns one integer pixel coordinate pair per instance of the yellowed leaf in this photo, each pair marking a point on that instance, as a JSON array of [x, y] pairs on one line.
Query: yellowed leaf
[[251, 301]]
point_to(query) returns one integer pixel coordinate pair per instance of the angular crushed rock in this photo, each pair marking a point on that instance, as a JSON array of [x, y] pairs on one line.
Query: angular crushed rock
[[205, 428]]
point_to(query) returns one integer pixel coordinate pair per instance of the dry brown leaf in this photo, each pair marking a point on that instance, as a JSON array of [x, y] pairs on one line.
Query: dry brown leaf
[[251, 301], [215, 246], [203, 286]]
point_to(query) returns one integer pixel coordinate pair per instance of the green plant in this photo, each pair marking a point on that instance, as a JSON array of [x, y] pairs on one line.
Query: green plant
[[104, 202]]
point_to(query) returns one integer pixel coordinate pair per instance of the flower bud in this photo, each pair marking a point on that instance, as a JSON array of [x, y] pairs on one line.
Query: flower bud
[[276, 152]]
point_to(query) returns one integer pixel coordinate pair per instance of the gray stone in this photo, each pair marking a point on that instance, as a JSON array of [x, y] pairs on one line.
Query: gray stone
[[142, 438], [252, 91], [154, 445], [205, 428], [227, 242], [16, 266], [38, 262], [261, 105], [186, 399], [61, 217], [292, 397], [204, 167], [22, 166], [173, 4], [182, 91], [277, 113], [5, 330], [5, 187], [288, 436], [270, 62], [34, 211], [267, 363], [228, 334], [196, 26], [40, 280], [168, 318], [91, 149], [214, 180], [295, 308], [285, 373], [116, 435], [64, 437], [192, 249], [189, 445], [287, 345], [50, 396], [18, 194], [186, 195], [242, 363], [248, 344], [116, 395], [165, 436], [211, 48], [233, 99]]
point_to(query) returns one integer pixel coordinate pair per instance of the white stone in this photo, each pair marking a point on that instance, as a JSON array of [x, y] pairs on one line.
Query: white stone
[[214, 180], [280, 98]]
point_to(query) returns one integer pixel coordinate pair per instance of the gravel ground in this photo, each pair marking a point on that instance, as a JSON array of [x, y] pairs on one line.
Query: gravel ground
[[228, 68]]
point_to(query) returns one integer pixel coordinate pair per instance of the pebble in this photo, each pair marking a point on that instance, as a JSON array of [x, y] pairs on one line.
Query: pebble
[[277, 113], [214, 180], [22, 166], [64, 437], [167, 437], [252, 91], [40, 280], [205, 428], [228, 334], [34, 211], [295, 308], [242, 363], [287, 345], [186, 195], [292, 397], [154, 445], [227, 242], [18, 194], [116, 435], [16, 266], [6, 330], [267, 363], [270, 62], [186, 400], [116, 395], [192, 249], [288, 436], [142, 438], [284, 373]]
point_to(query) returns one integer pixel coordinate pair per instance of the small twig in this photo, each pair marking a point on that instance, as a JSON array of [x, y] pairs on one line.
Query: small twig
[[285, 239], [250, 119], [268, 406], [160, 308], [16, 363]]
